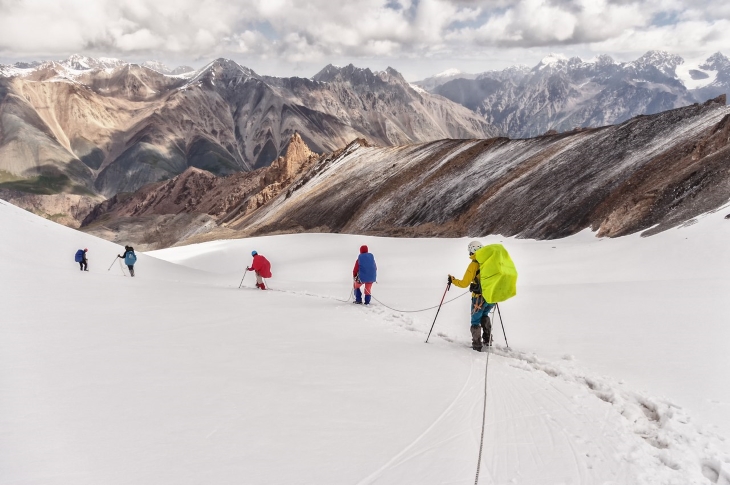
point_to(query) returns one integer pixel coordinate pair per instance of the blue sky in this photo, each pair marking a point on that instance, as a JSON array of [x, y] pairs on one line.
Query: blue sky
[[417, 37]]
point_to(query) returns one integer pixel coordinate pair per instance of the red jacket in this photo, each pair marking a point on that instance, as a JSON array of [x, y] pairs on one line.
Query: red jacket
[[262, 266]]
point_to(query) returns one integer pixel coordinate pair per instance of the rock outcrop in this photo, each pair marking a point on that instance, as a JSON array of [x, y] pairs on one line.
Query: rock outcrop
[[197, 192]]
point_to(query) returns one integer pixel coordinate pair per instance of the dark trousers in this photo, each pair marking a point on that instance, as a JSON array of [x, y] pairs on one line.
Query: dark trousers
[[83, 265], [481, 325], [131, 270]]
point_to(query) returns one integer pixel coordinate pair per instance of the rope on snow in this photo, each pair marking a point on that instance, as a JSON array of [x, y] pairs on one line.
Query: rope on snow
[[422, 310], [484, 419]]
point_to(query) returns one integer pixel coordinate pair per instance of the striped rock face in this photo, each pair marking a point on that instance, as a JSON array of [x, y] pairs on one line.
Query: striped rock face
[[648, 174]]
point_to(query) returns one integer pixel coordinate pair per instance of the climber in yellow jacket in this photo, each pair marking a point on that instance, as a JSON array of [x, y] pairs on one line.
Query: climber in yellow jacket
[[481, 325]]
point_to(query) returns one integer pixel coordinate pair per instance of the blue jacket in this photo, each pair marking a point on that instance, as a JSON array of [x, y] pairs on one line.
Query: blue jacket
[[367, 269]]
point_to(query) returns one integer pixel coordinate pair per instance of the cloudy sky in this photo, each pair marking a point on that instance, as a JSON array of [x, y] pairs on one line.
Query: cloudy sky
[[417, 37]]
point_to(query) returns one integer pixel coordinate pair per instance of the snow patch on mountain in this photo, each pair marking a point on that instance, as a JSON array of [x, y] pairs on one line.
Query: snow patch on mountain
[[418, 89], [78, 62], [693, 77], [665, 62], [448, 73], [551, 60]]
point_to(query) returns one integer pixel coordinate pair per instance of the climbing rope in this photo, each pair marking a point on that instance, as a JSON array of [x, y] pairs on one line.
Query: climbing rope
[[349, 298], [486, 366], [418, 311], [484, 419]]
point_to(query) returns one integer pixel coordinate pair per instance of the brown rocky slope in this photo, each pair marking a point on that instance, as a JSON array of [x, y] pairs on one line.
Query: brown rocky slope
[[648, 174], [144, 216]]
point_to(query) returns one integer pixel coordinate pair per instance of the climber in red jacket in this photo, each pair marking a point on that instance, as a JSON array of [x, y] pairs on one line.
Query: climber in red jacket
[[262, 267]]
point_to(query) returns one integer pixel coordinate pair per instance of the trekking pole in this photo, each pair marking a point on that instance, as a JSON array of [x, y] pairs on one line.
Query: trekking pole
[[448, 285], [502, 323], [122, 267], [110, 266], [244, 275]]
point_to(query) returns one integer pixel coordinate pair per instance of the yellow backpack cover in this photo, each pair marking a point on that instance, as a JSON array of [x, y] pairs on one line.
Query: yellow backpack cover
[[497, 273]]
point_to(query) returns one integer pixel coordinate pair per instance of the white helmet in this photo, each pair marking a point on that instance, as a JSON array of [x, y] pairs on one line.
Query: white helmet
[[474, 246]]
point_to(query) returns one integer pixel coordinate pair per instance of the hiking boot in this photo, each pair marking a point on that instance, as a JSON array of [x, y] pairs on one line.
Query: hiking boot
[[357, 302], [478, 349]]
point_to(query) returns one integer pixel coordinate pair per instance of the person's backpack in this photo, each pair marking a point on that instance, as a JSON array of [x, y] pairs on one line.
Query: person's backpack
[[367, 270], [79, 256], [497, 273], [130, 258]]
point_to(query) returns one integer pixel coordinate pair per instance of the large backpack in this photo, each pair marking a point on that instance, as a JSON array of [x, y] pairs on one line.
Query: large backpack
[[130, 258], [497, 273], [367, 270], [79, 256]]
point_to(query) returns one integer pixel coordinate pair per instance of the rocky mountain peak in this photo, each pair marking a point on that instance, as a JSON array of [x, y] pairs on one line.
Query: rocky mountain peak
[[287, 167], [716, 62], [661, 60], [297, 151], [157, 66], [448, 73], [229, 68], [604, 60], [27, 65], [393, 75], [78, 62], [348, 73], [551, 62], [357, 76], [160, 67], [224, 70], [182, 70]]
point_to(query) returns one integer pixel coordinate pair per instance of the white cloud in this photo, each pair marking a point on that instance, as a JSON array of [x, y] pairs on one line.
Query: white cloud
[[293, 31]]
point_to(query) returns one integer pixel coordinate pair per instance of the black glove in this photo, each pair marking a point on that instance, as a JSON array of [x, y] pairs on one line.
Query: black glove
[[451, 278]]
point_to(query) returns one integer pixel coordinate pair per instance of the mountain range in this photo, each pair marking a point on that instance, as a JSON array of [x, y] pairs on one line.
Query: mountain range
[[561, 94], [103, 126], [223, 151], [647, 175]]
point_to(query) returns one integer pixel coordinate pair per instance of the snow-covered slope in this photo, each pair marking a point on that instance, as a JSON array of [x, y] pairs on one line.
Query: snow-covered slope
[[177, 376]]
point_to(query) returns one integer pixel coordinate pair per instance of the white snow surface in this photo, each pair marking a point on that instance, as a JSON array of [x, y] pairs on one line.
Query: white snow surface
[[448, 73], [617, 371], [551, 59], [418, 89], [684, 76]]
